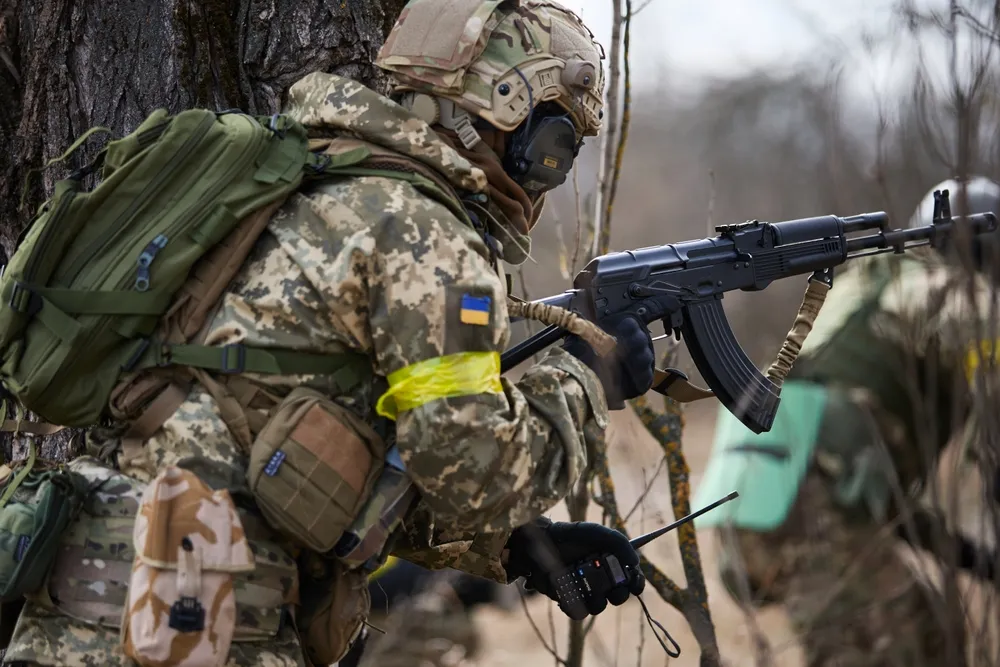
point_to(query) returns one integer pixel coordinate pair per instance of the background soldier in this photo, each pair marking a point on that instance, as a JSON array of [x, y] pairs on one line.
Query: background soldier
[[880, 388]]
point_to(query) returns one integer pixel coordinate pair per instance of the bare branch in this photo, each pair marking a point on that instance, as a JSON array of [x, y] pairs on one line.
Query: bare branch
[[579, 222], [612, 189], [641, 7], [608, 144], [711, 202]]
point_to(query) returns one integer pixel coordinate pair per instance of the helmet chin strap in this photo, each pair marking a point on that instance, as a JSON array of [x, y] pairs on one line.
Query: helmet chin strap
[[447, 114]]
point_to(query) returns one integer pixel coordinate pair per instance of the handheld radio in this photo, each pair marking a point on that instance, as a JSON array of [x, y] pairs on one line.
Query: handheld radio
[[595, 576]]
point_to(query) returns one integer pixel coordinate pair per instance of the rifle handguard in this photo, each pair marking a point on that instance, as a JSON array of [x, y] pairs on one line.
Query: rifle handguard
[[602, 343], [812, 302]]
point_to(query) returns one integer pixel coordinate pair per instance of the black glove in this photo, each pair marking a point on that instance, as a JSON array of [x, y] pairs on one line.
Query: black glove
[[628, 371], [542, 550]]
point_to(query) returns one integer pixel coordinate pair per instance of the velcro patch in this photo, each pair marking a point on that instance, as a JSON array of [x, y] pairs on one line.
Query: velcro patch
[[271, 469], [475, 310]]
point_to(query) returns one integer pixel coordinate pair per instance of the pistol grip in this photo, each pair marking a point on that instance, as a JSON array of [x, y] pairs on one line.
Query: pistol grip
[[739, 385]]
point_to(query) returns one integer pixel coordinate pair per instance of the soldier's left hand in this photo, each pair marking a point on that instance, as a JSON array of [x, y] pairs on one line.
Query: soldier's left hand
[[541, 550]]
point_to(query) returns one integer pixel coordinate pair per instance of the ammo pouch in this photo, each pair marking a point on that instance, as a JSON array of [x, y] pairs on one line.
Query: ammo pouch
[[36, 506], [90, 579], [189, 543], [313, 467], [335, 605]]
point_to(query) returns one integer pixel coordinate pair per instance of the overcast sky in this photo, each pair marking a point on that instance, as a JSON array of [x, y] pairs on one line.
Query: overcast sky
[[696, 39]]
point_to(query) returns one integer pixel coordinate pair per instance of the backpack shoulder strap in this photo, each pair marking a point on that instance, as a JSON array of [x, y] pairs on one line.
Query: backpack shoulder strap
[[156, 396]]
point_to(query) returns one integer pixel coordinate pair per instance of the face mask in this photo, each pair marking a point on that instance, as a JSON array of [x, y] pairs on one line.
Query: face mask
[[541, 152]]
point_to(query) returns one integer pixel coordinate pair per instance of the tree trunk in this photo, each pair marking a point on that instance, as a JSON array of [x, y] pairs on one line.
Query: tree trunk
[[68, 65]]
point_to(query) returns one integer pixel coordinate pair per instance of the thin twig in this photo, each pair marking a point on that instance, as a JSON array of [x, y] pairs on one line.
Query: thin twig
[[577, 505], [564, 257], [642, 496], [538, 633], [642, 529], [605, 243], [641, 7], [579, 222], [608, 152], [711, 201], [552, 626]]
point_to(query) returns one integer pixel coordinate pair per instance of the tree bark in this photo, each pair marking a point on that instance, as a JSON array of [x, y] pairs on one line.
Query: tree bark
[[68, 65]]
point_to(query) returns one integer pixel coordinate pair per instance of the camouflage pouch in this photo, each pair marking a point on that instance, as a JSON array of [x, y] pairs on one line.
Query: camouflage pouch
[[189, 542], [334, 608], [312, 467], [367, 541], [36, 506]]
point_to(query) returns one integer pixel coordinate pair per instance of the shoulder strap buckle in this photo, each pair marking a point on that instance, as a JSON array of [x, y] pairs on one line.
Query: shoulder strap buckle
[[237, 354]]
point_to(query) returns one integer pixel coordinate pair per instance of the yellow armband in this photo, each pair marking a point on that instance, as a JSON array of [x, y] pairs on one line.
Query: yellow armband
[[385, 567], [985, 350], [463, 374]]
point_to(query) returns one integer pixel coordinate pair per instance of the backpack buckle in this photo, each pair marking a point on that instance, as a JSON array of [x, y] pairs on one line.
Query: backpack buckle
[[24, 300], [278, 125], [239, 362]]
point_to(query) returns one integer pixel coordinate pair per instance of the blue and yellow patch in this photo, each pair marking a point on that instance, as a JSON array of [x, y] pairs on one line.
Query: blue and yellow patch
[[475, 310]]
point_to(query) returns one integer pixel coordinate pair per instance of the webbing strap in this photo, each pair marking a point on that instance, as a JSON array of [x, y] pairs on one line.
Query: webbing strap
[[346, 369], [332, 163], [109, 302], [19, 477], [59, 323], [34, 428]]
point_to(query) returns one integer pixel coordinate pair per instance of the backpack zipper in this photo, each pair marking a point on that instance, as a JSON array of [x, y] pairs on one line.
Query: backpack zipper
[[143, 282], [143, 138], [101, 242], [45, 236], [129, 276]]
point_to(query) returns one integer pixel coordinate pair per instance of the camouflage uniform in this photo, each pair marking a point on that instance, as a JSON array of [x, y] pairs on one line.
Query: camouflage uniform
[[369, 264], [891, 347]]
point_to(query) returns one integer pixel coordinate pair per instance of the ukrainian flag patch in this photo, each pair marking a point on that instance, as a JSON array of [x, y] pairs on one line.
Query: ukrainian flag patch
[[475, 310]]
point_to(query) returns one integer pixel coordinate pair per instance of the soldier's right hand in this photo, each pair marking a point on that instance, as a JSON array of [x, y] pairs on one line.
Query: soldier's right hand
[[628, 371]]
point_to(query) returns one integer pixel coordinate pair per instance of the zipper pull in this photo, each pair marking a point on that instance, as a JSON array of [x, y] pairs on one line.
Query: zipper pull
[[145, 259]]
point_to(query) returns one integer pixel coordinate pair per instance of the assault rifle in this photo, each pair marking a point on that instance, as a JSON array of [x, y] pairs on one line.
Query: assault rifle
[[693, 276]]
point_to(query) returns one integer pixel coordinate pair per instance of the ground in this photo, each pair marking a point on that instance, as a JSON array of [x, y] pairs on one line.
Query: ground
[[620, 634]]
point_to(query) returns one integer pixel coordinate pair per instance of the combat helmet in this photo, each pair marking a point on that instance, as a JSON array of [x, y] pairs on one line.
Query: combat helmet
[[495, 60], [983, 196]]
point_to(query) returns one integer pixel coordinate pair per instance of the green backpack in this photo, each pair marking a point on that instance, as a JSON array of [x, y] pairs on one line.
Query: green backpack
[[86, 290]]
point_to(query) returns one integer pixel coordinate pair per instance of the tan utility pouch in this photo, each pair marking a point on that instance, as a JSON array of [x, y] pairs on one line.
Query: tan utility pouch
[[312, 467], [189, 541], [333, 613]]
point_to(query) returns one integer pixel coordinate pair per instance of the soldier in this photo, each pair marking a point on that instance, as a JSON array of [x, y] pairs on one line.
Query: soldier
[[402, 264], [878, 391]]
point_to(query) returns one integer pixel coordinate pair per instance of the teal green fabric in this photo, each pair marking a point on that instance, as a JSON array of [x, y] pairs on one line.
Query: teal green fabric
[[765, 469]]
